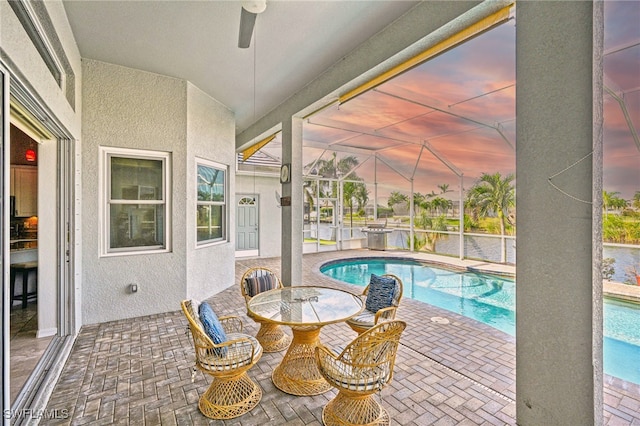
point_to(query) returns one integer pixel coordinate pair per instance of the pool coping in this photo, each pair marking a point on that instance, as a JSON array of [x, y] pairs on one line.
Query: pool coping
[[611, 289], [626, 292]]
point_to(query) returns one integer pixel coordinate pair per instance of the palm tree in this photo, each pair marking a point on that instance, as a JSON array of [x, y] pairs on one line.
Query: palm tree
[[396, 198], [444, 203], [362, 195], [444, 188], [493, 194], [620, 204], [418, 200], [354, 192], [426, 205], [330, 169], [333, 169], [636, 200], [611, 200], [438, 203]]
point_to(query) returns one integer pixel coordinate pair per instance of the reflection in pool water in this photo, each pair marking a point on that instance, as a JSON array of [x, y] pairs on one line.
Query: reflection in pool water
[[491, 299]]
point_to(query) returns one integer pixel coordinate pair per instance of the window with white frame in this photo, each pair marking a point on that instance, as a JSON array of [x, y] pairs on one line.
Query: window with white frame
[[136, 207], [211, 221]]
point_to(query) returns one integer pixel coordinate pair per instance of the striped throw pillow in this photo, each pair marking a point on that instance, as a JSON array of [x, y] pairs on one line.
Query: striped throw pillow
[[256, 285]]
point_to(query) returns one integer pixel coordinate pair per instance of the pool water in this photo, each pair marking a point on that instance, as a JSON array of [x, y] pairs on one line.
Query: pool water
[[490, 299]]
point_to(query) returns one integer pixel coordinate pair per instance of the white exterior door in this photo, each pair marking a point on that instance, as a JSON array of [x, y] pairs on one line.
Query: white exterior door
[[247, 223]]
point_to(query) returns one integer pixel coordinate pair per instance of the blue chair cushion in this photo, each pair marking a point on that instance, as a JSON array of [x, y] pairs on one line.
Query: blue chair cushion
[[256, 285], [381, 291], [212, 327]]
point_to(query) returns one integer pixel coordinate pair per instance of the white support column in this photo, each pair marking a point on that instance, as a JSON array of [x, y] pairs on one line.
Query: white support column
[[340, 213], [411, 219], [559, 104], [375, 187], [318, 216], [461, 216], [292, 215]]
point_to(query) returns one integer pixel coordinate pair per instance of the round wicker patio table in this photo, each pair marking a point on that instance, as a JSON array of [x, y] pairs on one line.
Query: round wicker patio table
[[306, 310]]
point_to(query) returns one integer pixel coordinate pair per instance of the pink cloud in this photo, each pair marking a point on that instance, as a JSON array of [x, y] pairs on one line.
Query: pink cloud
[[476, 83]]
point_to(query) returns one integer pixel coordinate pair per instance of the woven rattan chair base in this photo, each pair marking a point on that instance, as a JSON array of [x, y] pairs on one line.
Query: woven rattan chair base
[[354, 409], [298, 372], [272, 337], [229, 398]]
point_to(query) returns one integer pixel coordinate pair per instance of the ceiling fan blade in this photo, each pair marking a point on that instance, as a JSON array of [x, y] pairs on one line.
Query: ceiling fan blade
[[247, 22]]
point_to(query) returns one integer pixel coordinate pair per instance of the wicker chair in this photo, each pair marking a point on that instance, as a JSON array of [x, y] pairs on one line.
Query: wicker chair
[[232, 393], [367, 319], [364, 367], [270, 335]]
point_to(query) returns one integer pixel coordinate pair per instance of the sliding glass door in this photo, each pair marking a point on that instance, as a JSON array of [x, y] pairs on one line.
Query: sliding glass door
[[4, 239]]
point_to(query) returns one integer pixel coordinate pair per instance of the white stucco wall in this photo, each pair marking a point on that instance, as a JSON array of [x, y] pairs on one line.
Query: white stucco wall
[[129, 108], [269, 215], [21, 56], [22, 59], [210, 136]]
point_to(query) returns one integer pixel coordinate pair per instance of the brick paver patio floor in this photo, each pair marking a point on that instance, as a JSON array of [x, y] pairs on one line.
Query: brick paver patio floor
[[138, 371]]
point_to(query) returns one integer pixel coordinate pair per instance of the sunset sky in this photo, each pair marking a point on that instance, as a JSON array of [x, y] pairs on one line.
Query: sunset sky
[[622, 76], [462, 103]]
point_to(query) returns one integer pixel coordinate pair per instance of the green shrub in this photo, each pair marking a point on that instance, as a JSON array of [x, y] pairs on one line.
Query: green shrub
[[440, 223], [616, 229], [384, 212], [424, 221], [469, 223], [418, 242], [607, 268]]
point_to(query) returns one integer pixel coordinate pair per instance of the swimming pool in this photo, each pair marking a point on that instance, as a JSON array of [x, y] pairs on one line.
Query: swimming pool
[[491, 299]]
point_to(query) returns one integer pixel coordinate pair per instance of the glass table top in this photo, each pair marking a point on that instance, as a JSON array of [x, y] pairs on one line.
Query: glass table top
[[300, 306]]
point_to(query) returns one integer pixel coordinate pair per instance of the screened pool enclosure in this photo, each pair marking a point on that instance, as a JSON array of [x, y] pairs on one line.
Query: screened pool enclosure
[[407, 152]]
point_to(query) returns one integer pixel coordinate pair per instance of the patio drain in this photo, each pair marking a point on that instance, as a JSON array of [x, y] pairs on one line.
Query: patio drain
[[439, 365], [440, 320]]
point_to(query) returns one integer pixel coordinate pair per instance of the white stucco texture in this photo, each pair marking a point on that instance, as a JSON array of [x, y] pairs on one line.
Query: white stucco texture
[[210, 136], [128, 108]]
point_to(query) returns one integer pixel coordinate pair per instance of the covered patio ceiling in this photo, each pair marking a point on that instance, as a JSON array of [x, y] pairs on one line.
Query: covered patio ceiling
[[455, 115]]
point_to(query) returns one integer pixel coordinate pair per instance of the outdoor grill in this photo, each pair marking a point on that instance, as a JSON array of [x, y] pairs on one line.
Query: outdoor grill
[[377, 235]]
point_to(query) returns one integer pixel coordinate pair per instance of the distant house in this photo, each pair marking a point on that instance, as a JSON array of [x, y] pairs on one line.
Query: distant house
[[257, 205]]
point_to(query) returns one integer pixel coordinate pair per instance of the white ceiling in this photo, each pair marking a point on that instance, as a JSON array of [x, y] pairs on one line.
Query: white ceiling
[[294, 42], [297, 41]]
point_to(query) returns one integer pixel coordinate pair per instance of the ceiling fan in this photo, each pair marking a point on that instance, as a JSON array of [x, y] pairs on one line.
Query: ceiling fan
[[250, 11]]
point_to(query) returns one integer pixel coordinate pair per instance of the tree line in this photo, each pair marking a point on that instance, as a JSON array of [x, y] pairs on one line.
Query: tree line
[[492, 196]]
